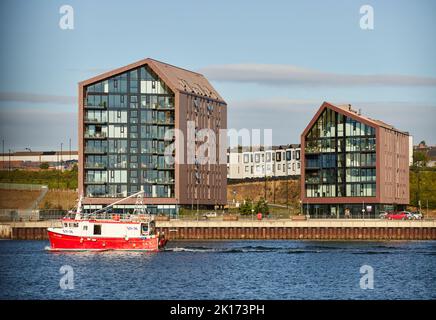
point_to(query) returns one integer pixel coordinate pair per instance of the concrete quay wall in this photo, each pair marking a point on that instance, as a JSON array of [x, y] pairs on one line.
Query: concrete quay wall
[[265, 229], [309, 230]]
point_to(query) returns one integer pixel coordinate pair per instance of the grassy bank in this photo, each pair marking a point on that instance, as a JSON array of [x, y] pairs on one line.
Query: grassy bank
[[274, 191], [54, 179], [422, 186]]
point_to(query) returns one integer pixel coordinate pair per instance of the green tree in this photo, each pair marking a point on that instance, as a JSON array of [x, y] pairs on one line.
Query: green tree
[[262, 207], [420, 159], [423, 187], [245, 208]]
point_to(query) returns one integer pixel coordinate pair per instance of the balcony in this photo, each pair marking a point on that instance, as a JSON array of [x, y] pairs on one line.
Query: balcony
[[309, 150], [90, 150], [100, 106], [157, 181], [164, 107], [95, 135], [95, 181], [312, 165], [164, 167], [157, 166], [95, 165], [91, 120], [168, 121], [153, 151]]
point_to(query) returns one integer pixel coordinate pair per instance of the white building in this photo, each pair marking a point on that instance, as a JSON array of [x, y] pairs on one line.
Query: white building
[[410, 150], [279, 161]]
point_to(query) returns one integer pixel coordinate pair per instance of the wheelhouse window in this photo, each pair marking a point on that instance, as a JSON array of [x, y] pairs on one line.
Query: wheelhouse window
[[97, 229]]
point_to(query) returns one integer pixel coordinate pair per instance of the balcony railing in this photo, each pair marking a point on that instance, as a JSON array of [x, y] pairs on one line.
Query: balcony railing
[[165, 121], [158, 181], [95, 135], [96, 106], [95, 165], [95, 150], [157, 167], [156, 106], [95, 181], [94, 120]]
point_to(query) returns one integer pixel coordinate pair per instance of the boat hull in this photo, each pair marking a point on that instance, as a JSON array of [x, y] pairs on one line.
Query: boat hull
[[65, 242]]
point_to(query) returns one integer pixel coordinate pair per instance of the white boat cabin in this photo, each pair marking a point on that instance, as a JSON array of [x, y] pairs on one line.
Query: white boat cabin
[[108, 228]]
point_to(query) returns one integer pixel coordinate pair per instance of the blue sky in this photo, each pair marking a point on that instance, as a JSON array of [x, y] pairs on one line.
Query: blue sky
[[274, 62]]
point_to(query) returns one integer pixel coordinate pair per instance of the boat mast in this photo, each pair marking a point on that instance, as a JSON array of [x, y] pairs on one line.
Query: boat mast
[[79, 208], [116, 202]]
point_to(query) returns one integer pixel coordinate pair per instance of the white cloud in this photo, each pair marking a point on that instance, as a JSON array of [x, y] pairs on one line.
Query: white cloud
[[279, 75]]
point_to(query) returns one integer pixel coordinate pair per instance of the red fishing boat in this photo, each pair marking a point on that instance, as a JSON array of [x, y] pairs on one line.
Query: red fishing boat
[[101, 230]]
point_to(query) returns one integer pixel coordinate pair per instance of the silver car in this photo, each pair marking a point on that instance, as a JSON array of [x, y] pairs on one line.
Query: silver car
[[382, 214], [415, 215]]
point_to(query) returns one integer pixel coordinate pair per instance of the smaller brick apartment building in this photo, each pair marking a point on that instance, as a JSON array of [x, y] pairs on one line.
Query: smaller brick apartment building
[[352, 163]]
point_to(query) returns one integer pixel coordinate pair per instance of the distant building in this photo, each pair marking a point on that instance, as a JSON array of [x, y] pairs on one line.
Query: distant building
[[430, 151], [249, 163], [31, 160], [432, 157], [352, 163]]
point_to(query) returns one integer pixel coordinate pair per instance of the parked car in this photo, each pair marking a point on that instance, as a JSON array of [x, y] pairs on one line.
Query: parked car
[[383, 214], [415, 215], [402, 215], [210, 214]]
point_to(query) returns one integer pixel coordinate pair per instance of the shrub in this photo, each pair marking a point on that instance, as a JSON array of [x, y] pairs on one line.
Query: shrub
[[245, 208], [43, 165], [262, 207]]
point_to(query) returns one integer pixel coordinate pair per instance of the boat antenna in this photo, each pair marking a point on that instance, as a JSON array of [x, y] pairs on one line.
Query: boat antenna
[[139, 205]]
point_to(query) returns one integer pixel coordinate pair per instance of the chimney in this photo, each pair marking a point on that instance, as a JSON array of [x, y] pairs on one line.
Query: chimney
[[360, 112]]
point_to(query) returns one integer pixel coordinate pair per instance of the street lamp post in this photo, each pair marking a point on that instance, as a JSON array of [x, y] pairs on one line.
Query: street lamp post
[[10, 159], [61, 154], [287, 178]]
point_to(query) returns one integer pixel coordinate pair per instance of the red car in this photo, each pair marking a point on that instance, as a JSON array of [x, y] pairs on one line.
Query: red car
[[402, 215]]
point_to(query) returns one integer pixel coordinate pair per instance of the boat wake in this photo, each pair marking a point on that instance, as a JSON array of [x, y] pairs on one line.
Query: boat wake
[[223, 250], [287, 250]]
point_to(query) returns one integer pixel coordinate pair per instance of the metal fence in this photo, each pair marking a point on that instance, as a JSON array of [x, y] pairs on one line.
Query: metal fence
[[7, 215], [20, 215], [21, 186]]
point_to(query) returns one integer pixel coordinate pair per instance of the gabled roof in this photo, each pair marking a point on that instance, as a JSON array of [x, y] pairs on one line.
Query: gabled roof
[[178, 79], [348, 111]]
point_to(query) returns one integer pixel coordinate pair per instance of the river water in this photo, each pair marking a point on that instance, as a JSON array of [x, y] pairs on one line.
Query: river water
[[223, 270]]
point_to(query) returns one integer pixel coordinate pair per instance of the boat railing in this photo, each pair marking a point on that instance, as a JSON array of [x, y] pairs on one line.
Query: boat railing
[[120, 216]]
